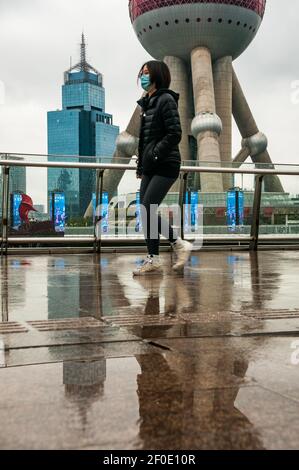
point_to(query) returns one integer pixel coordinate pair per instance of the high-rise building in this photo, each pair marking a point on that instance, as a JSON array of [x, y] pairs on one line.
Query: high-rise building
[[17, 181], [17, 178], [82, 128]]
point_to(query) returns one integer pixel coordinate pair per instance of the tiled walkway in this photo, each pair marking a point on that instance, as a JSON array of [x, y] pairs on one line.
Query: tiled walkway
[[92, 358]]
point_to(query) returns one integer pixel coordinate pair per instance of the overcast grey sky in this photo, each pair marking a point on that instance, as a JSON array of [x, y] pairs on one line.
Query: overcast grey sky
[[37, 38]]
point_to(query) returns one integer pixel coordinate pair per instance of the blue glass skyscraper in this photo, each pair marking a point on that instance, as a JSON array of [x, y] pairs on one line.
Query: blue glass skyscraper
[[82, 128]]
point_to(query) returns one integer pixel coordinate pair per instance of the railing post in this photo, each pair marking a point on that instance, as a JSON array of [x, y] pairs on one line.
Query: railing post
[[4, 290], [256, 213], [5, 206], [182, 195], [98, 215]]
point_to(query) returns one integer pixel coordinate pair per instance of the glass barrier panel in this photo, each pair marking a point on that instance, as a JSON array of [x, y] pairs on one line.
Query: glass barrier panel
[[227, 212], [279, 214], [50, 202], [61, 202]]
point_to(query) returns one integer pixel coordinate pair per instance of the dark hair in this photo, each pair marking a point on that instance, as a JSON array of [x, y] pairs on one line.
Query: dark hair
[[159, 73]]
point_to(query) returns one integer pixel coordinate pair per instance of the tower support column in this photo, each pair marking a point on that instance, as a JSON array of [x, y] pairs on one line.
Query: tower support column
[[254, 142], [179, 84], [222, 71], [206, 126], [126, 147]]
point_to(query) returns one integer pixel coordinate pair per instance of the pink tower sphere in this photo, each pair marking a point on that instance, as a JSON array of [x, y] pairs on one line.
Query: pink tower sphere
[[176, 27]]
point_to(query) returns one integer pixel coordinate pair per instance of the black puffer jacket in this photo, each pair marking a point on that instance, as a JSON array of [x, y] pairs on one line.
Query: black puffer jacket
[[160, 135]]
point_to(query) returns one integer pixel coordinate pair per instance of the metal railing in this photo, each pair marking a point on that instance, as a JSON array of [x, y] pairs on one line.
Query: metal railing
[[7, 162]]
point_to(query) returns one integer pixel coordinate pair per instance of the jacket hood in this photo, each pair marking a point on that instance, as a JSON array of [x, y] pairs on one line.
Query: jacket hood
[[146, 99]]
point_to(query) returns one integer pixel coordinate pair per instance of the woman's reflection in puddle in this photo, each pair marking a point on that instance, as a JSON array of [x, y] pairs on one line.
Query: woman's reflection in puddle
[[187, 400]]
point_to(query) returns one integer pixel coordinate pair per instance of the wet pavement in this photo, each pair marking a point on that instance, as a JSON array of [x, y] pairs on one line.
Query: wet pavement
[[91, 358]]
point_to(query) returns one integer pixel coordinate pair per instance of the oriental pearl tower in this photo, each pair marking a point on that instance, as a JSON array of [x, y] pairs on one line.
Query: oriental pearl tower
[[199, 40]]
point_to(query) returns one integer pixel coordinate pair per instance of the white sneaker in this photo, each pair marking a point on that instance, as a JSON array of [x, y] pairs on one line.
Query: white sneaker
[[151, 265], [182, 249]]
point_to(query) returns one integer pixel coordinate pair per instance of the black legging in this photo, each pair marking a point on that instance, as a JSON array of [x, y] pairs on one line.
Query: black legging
[[153, 190]]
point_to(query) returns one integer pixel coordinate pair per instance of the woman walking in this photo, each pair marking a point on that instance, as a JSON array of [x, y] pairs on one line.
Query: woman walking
[[158, 163]]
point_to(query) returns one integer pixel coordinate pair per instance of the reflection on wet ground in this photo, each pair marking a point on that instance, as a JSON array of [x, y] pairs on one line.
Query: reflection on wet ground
[[92, 358]]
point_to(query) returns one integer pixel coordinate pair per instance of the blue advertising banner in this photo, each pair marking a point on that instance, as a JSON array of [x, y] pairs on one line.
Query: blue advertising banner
[[241, 208], [138, 227], [57, 211], [104, 211], [194, 211], [235, 209], [105, 203], [231, 210], [16, 200], [191, 211]]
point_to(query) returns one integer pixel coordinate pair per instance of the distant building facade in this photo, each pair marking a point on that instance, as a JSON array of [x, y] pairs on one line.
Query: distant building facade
[[17, 180], [17, 175]]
